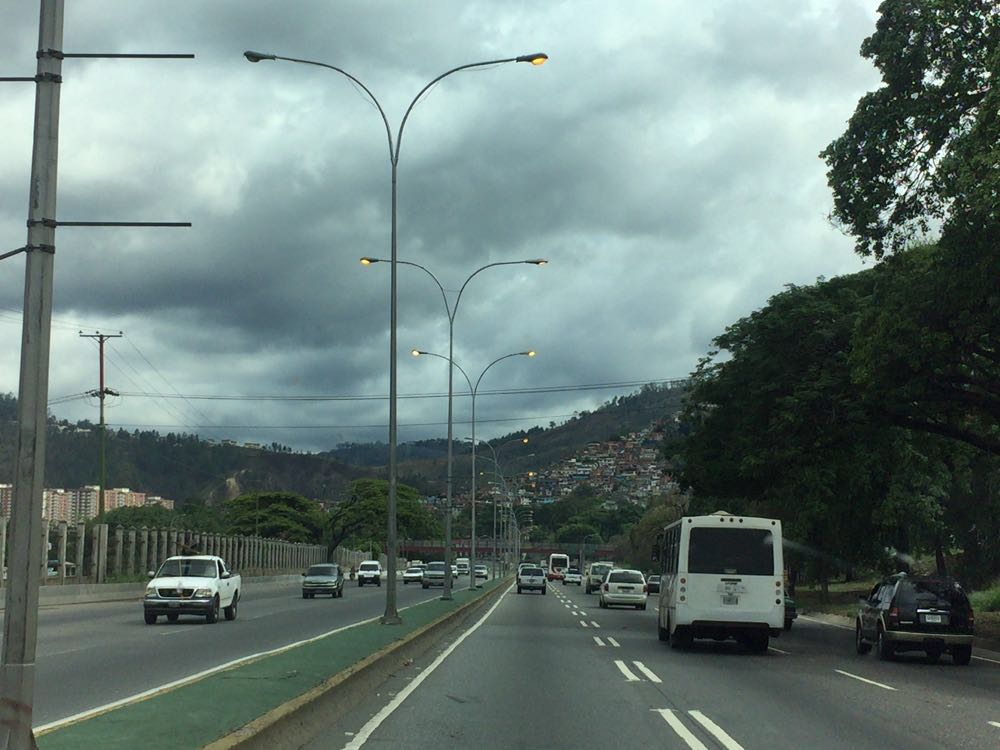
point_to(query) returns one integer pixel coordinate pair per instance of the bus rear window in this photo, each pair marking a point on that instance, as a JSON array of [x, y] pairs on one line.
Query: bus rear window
[[748, 552]]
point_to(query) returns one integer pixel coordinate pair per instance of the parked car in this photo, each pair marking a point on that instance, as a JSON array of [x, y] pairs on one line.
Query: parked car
[[572, 576], [433, 575], [413, 574], [595, 575], [482, 572], [653, 584], [623, 586], [916, 613], [531, 579], [326, 578], [370, 571], [791, 612]]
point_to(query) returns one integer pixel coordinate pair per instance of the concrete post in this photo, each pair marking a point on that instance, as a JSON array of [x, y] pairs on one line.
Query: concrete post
[[80, 543], [130, 557], [63, 533], [102, 558], [3, 542], [95, 546], [172, 542], [163, 547], [45, 550], [119, 543], [143, 550]]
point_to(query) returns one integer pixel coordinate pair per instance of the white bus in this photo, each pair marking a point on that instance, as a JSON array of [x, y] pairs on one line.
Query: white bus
[[557, 566], [721, 576]]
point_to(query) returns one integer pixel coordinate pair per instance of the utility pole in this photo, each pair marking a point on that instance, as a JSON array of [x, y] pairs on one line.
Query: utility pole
[[101, 393], [20, 634], [20, 627]]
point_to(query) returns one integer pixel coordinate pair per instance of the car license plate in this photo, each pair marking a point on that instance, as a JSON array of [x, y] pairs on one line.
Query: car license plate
[[932, 618], [173, 604], [626, 588], [730, 599]]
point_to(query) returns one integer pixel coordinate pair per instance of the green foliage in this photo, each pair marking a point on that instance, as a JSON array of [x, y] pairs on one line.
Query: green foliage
[[278, 515], [923, 148], [361, 516], [987, 600], [635, 548]]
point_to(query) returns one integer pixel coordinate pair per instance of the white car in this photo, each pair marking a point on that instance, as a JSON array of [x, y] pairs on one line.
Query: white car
[[573, 576], [623, 586], [413, 574], [370, 571], [531, 579]]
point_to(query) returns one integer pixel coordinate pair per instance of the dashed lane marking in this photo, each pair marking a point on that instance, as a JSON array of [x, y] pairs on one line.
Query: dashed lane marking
[[772, 648], [650, 675], [716, 731], [682, 731], [583, 623], [824, 622], [598, 641], [614, 643], [594, 624], [863, 679], [983, 658], [629, 674], [994, 724]]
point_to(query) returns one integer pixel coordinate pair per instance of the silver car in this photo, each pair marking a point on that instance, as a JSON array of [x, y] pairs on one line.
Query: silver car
[[623, 586]]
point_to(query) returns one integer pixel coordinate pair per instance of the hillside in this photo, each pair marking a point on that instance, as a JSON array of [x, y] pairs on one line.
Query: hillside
[[181, 466]]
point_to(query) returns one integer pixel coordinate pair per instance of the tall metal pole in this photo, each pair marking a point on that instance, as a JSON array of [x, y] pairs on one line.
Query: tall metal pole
[[446, 594], [17, 662]]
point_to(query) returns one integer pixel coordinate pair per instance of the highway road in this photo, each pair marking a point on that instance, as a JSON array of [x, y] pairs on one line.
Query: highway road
[[90, 655], [556, 671]]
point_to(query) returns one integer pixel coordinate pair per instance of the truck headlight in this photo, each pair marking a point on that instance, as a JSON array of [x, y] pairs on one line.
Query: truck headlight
[[202, 593], [151, 591]]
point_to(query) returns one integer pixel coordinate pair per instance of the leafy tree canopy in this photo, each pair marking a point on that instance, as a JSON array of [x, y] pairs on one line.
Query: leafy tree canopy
[[924, 149], [279, 515], [361, 516]]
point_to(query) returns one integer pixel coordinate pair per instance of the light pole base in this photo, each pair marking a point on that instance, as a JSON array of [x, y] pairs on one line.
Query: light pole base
[[390, 620], [446, 597]]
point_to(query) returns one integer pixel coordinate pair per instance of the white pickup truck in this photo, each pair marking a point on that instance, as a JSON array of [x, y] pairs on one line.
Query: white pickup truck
[[198, 585]]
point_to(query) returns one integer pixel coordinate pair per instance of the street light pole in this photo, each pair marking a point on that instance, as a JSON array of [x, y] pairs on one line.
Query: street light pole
[[473, 389], [452, 311], [391, 615]]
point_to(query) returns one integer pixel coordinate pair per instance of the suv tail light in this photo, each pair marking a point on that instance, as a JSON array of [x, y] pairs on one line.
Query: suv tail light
[[645, 588], [972, 617], [894, 617], [605, 587]]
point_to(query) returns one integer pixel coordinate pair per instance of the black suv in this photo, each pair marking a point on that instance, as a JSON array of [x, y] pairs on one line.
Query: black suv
[[916, 613]]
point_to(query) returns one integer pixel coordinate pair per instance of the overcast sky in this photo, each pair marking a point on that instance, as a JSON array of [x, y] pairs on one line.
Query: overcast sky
[[664, 161]]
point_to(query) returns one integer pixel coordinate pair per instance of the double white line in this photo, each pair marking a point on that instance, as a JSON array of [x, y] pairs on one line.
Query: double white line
[[689, 737], [630, 676]]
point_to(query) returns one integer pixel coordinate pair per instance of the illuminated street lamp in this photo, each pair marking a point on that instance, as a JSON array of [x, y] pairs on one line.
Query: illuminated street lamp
[[391, 615]]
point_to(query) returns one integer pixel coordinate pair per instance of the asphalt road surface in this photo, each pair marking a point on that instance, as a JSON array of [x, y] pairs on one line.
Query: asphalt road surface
[[556, 671], [90, 655]]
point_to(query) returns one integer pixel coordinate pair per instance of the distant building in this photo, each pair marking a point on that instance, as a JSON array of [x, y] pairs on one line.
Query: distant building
[[6, 498], [161, 501], [57, 505]]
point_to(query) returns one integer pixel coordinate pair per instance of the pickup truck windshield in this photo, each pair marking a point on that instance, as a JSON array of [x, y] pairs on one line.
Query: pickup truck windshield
[[188, 568]]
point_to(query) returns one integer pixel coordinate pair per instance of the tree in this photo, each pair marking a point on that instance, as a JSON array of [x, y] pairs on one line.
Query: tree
[[923, 149], [280, 515], [361, 516]]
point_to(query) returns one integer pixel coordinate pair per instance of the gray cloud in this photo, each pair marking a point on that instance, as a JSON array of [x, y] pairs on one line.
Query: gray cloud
[[664, 161]]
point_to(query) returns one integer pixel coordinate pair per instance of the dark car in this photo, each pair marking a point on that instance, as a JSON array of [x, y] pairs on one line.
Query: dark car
[[653, 584], [326, 578], [916, 613]]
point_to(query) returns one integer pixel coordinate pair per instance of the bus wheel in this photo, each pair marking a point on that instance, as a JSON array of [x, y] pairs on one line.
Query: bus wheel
[[680, 638], [661, 632]]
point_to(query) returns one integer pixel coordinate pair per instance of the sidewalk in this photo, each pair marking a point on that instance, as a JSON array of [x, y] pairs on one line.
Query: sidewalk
[[199, 713]]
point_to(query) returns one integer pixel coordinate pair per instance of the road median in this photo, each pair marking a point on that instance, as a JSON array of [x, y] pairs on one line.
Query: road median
[[236, 706]]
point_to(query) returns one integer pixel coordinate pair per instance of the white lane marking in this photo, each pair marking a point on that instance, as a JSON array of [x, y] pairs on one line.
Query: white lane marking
[[614, 643], [598, 641], [567, 606], [646, 671], [994, 724], [983, 658], [629, 674], [594, 624], [682, 731], [862, 679], [716, 731], [583, 623], [365, 732], [772, 648], [197, 675], [824, 622]]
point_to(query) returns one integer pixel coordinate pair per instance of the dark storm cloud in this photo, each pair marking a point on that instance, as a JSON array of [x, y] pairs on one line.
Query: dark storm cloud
[[664, 161]]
